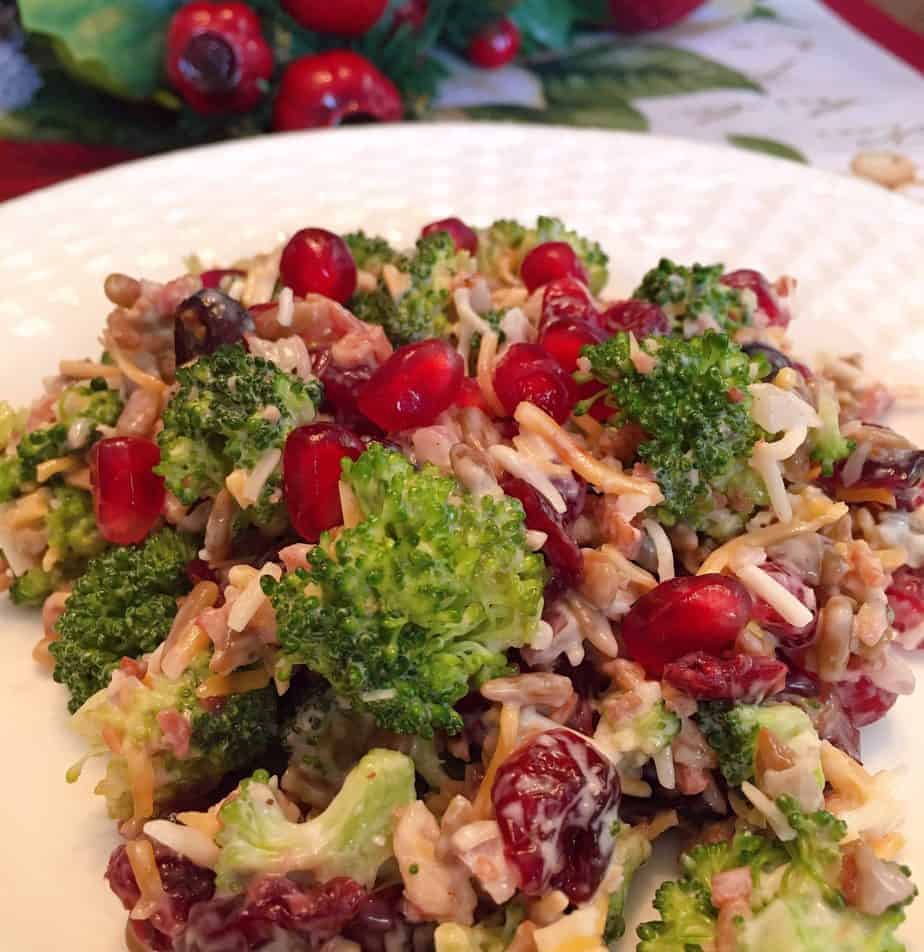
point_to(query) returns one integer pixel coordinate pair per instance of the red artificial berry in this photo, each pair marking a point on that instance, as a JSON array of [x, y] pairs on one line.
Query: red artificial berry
[[548, 261], [747, 279], [641, 318], [560, 550], [641, 16], [495, 45], [326, 89], [527, 372], [768, 617], [745, 678], [311, 476], [412, 12], [682, 615], [566, 299], [316, 261], [217, 58], [470, 395], [864, 701], [344, 17], [556, 799], [214, 277], [127, 494], [565, 339], [414, 386], [462, 236], [906, 599]]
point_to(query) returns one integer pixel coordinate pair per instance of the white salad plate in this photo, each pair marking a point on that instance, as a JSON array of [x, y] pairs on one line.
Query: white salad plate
[[857, 251]]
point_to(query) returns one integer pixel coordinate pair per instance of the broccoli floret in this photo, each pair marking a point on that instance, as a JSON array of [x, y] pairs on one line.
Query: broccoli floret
[[220, 420], [415, 602], [221, 741], [489, 935], [732, 729], [370, 252], [123, 605], [500, 247], [593, 257], [12, 423], [352, 837], [94, 401], [631, 851], [795, 901], [690, 294], [632, 743], [11, 477], [694, 406], [33, 587], [828, 445], [40, 445]]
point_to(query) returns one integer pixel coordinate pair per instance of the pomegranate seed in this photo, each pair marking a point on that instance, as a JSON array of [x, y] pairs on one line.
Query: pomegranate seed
[[566, 299], [214, 277], [701, 613], [746, 678], [748, 280], [127, 495], [414, 386], [345, 17], [560, 550], [311, 476], [906, 598], [555, 799], [470, 395], [317, 261], [527, 372], [864, 701], [564, 340], [495, 45], [642, 318], [462, 236], [548, 261], [768, 617]]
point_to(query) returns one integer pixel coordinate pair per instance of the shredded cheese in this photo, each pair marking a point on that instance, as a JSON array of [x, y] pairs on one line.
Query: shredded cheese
[[485, 372], [144, 380], [634, 573], [470, 323], [878, 494], [285, 307], [185, 840], [506, 740], [87, 369], [54, 467], [140, 855], [770, 811], [248, 603], [776, 595], [663, 549], [526, 469], [140, 781], [206, 823]]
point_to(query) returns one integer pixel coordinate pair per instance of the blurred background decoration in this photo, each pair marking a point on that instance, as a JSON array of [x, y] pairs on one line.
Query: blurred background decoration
[[117, 78]]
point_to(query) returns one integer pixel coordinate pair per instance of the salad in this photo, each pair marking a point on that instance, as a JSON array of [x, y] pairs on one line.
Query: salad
[[407, 596]]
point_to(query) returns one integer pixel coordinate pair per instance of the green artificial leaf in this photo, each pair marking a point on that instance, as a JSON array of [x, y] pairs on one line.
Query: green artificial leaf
[[544, 24], [633, 71], [768, 146], [116, 45], [615, 114], [762, 12]]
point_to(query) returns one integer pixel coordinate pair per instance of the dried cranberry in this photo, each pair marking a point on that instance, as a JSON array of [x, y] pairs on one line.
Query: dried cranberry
[[555, 799], [642, 318], [573, 490], [214, 277], [378, 914], [564, 340], [699, 613], [769, 619], [801, 683], [560, 550], [206, 321], [127, 494], [898, 471], [311, 475], [748, 280], [527, 372], [906, 598], [549, 261], [326, 89], [747, 678], [832, 722], [462, 236], [345, 17], [317, 261], [414, 386], [495, 45], [217, 57], [566, 299], [864, 701]]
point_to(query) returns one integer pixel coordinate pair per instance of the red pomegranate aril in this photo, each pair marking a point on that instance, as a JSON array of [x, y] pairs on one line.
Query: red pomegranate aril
[[770, 620], [414, 386], [556, 798], [566, 299], [462, 236], [128, 495], [564, 339], [560, 550], [343, 17], [495, 45], [549, 261], [641, 318], [746, 279], [470, 395], [311, 475], [745, 678], [906, 599], [864, 701], [682, 615], [527, 372], [317, 261]]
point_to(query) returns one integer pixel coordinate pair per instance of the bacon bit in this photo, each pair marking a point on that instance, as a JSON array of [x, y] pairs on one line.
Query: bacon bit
[[133, 668], [726, 929], [177, 732], [240, 682], [731, 885], [141, 781], [690, 780], [295, 556], [141, 858], [735, 395], [875, 494], [482, 808]]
